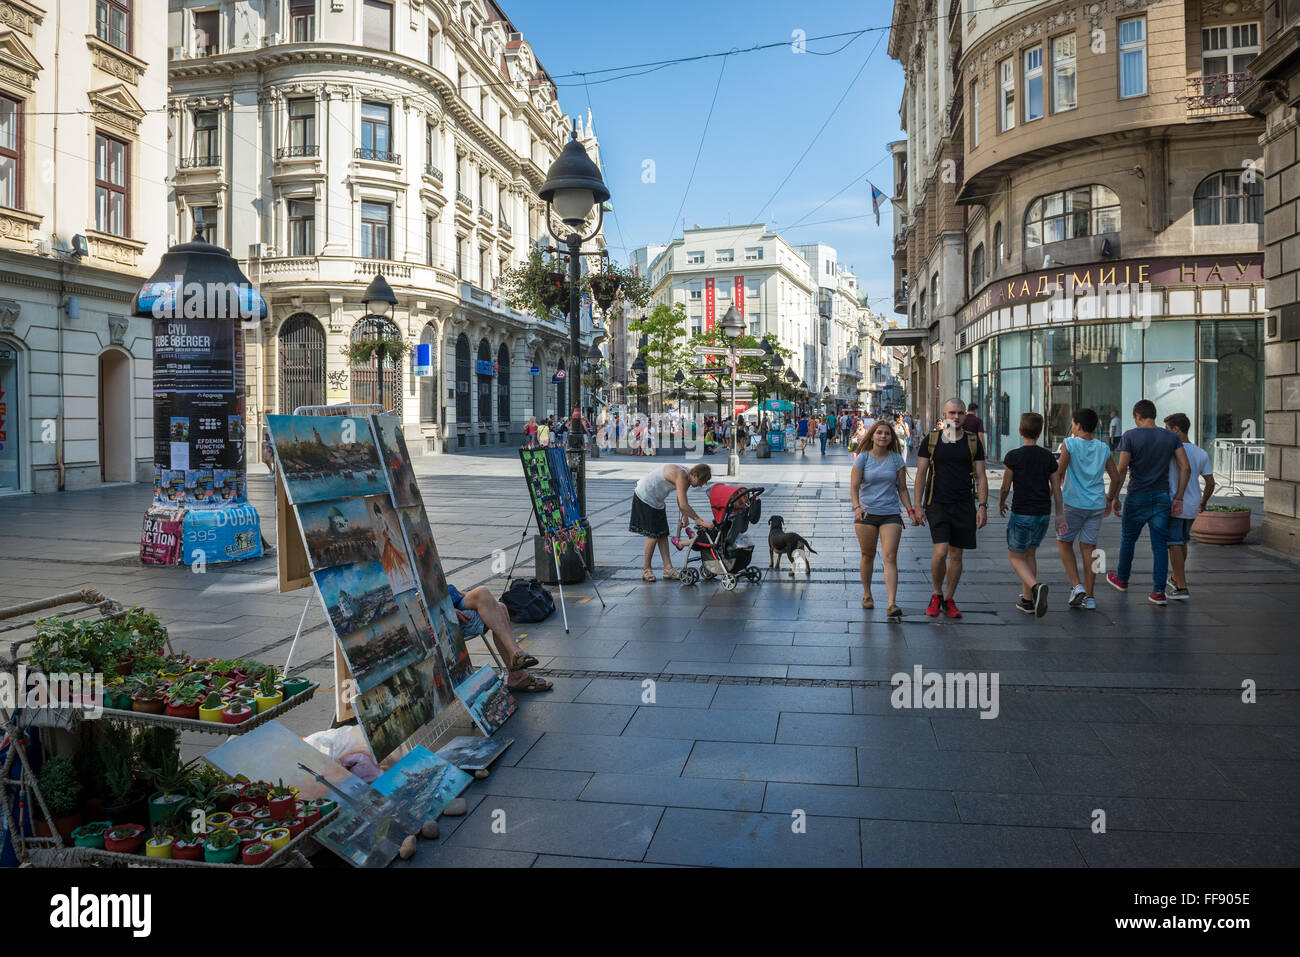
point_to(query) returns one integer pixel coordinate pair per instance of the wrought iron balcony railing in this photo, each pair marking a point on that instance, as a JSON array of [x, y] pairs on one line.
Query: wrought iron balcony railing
[[195, 162], [287, 152], [431, 170], [382, 156], [1216, 93]]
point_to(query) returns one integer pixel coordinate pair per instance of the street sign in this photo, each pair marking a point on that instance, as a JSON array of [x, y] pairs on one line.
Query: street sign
[[750, 353], [534, 370], [711, 371], [559, 376], [709, 350], [751, 377]]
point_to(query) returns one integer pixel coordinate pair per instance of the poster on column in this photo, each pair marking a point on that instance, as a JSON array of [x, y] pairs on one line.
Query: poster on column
[[193, 355], [199, 430]]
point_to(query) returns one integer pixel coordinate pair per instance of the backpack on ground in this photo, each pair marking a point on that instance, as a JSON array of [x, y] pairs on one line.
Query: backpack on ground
[[527, 600]]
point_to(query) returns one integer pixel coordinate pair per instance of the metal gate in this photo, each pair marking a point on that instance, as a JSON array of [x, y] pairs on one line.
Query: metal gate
[[302, 362], [365, 380]]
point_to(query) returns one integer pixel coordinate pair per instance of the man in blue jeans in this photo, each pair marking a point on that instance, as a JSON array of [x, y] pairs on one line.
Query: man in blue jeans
[[1149, 451]]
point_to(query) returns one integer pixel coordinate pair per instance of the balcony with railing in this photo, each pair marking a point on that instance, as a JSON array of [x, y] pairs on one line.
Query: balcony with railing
[[484, 216], [200, 161], [1216, 94], [954, 111], [463, 200], [296, 152], [379, 156], [432, 172], [504, 227]]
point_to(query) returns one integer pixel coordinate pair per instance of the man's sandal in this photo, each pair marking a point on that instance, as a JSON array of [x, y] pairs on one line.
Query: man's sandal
[[522, 660], [531, 683]]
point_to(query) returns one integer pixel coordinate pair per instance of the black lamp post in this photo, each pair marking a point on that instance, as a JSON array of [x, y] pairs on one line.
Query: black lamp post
[[772, 358], [573, 186], [733, 325], [639, 368], [379, 301]]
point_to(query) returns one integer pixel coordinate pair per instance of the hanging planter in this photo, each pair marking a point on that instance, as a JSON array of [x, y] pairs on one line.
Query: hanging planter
[[604, 289], [363, 351]]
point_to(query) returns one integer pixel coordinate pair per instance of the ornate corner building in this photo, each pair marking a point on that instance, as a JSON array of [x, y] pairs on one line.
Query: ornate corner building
[[1095, 149], [82, 164], [326, 141]]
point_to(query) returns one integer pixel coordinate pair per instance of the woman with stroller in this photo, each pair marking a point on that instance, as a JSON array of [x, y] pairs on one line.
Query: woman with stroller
[[650, 510], [878, 492]]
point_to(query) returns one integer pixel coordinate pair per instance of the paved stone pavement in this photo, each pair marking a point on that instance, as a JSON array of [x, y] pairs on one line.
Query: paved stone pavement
[[775, 698]]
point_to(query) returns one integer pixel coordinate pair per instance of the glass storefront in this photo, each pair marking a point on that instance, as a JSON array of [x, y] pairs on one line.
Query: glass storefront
[[9, 438], [1212, 370]]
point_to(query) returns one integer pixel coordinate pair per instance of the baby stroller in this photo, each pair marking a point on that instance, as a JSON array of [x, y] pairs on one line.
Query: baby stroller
[[721, 550]]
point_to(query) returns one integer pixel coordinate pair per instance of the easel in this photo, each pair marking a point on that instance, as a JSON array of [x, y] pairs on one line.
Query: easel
[[554, 546]]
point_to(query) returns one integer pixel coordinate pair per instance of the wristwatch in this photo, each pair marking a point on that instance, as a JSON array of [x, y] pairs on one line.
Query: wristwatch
[[983, 505]]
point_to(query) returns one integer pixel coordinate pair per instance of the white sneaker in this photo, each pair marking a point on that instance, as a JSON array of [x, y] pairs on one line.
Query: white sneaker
[[1077, 595], [1090, 604]]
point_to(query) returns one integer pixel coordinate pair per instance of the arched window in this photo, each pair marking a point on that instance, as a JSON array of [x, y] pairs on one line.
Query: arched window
[[999, 251], [365, 379], [977, 267], [302, 362], [1071, 214], [503, 384], [1226, 198], [462, 379], [429, 383], [484, 370]]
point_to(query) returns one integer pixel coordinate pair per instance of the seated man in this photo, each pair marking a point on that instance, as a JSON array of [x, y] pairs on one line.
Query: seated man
[[479, 611]]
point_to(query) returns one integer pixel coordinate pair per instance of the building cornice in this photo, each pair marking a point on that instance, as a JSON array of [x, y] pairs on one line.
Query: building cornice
[[23, 17]]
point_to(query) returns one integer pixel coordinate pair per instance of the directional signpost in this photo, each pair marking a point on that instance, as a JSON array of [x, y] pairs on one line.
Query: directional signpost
[[751, 377]]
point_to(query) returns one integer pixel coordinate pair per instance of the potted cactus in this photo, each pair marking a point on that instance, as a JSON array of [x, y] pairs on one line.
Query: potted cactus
[[124, 838], [256, 791], [257, 852], [189, 848], [244, 809], [160, 845], [236, 712], [240, 823], [183, 701], [295, 686], [282, 801], [222, 847], [148, 693], [1222, 525], [268, 695], [277, 837]]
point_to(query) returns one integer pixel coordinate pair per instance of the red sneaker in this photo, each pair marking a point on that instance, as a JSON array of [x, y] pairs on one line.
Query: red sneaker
[[1157, 598], [1115, 582], [935, 606], [951, 609]]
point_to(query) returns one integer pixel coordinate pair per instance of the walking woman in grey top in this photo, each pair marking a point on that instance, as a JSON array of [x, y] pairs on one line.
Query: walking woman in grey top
[[878, 491]]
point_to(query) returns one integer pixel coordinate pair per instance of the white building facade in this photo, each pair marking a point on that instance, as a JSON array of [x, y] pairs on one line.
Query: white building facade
[[326, 141], [82, 168]]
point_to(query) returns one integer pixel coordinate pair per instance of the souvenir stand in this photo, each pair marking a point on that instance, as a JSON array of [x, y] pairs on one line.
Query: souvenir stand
[[25, 730]]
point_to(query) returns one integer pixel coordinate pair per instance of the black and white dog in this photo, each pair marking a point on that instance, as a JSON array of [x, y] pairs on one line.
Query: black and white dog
[[781, 542]]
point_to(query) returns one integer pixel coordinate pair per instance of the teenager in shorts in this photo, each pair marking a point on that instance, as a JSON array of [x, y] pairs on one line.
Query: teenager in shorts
[[1031, 472], [1085, 463]]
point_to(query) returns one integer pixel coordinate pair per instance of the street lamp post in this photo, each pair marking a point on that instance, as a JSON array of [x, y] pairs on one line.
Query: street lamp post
[[734, 326], [573, 186], [379, 301]]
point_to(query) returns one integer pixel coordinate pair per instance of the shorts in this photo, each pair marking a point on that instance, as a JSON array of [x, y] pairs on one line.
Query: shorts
[[1026, 531], [1085, 524], [647, 520], [474, 627], [878, 520], [951, 523], [1180, 531]]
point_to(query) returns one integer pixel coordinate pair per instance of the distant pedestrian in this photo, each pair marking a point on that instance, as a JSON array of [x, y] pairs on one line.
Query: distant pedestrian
[[1031, 471], [1081, 473], [544, 433], [1149, 451], [1194, 502], [801, 430], [530, 433], [1113, 430], [832, 423], [975, 424], [878, 491], [949, 462], [823, 433]]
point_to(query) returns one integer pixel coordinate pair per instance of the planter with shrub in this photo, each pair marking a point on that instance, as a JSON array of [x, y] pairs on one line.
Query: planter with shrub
[[1222, 525], [61, 787]]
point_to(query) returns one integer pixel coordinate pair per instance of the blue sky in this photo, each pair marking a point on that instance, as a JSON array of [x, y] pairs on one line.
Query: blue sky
[[769, 106]]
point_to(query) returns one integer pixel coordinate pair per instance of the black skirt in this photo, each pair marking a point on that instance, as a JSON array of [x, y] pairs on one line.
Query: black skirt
[[647, 520]]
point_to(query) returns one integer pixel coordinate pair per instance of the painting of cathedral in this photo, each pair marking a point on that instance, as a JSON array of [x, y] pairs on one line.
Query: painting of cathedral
[[338, 532]]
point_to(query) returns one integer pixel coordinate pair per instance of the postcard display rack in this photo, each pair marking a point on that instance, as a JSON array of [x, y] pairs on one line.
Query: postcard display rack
[[20, 782], [352, 524], [557, 512]]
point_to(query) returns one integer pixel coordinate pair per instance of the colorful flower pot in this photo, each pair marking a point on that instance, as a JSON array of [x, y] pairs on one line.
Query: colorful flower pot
[[159, 847], [282, 807], [257, 852], [296, 825], [190, 711], [240, 823], [326, 806], [295, 686], [118, 699], [91, 835], [248, 837], [310, 813], [220, 855], [148, 705], [267, 702], [265, 824], [278, 837], [161, 804], [211, 714], [188, 850], [244, 809], [124, 839], [236, 714], [262, 813], [219, 820]]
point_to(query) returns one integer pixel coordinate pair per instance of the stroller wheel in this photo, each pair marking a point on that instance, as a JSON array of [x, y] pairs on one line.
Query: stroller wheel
[[753, 574], [728, 584], [690, 576], [709, 576]]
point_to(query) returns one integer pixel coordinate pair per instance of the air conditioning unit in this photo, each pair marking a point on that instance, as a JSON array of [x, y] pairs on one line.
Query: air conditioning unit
[[270, 40], [178, 53], [257, 250], [42, 247]]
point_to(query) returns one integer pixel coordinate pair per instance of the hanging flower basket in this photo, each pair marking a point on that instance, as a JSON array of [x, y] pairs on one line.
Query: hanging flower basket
[[554, 292], [363, 351], [604, 289]]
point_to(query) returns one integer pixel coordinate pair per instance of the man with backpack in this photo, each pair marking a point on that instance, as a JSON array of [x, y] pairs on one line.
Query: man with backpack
[[950, 461], [479, 612]]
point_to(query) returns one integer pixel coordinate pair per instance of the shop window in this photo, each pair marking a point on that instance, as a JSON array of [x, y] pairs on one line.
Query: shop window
[[1228, 197], [977, 267], [1071, 214]]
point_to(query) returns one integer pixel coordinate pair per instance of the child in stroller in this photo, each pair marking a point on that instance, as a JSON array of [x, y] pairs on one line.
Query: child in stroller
[[722, 550]]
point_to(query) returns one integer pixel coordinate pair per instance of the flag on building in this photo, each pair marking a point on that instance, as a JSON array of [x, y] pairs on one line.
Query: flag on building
[[876, 197]]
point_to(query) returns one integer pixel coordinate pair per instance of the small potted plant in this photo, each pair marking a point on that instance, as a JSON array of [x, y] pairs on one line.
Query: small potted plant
[[61, 787], [147, 694], [295, 686], [228, 794], [189, 848], [244, 809], [124, 838], [257, 852], [247, 836], [183, 701], [173, 781], [116, 695], [267, 694], [219, 820], [240, 823], [222, 847], [263, 824], [282, 801], [92, 834], [236, 712], [296, 824], [1222, 525], [256, 791], [160, 845], [309, 812], [277, 837]]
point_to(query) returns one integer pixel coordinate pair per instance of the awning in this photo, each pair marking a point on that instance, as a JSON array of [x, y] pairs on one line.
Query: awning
[[904, 337]]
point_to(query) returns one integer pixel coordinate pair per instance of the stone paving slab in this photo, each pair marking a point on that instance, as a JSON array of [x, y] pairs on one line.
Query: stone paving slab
[[736, 839], [675, 792], [582, 828]]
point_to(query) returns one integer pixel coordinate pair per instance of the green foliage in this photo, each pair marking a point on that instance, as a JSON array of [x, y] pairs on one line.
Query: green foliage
[[60, 786], [268, 688], [718, 388], [364, 351], [213, 700], [1227, 508], [147, 687], [119, 761], [664, 329], [222, 839], [155, 746], [538, 285], [90, 766]]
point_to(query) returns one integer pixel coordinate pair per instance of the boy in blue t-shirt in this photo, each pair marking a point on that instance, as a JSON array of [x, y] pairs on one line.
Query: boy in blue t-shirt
[[1085, 463]]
